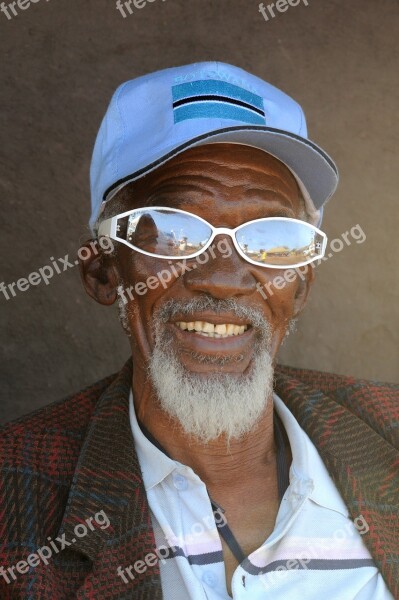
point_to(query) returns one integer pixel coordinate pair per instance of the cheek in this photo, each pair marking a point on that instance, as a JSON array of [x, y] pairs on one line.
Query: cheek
[[136, 267], [148, 278], [278, 292]]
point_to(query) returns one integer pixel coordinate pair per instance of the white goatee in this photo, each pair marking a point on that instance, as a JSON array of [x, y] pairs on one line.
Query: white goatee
[[222, 403]]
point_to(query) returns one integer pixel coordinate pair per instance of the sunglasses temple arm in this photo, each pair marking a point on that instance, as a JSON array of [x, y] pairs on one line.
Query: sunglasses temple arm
[[324, 248]]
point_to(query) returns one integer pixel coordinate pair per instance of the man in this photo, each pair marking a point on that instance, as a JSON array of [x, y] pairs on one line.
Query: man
[[220, 474]]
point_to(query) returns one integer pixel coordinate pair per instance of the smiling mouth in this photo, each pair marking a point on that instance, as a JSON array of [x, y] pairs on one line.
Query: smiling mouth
[[206, 329]]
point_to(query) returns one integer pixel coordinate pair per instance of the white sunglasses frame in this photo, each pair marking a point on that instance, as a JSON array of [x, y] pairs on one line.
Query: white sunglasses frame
[[108, 228]]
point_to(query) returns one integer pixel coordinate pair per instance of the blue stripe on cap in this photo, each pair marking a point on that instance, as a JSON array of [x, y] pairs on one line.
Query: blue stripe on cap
[[217, 110], [215, 87]]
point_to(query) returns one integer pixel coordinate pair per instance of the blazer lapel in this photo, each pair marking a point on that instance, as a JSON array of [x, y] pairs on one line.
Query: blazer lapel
[[363, 466], [108, 478]]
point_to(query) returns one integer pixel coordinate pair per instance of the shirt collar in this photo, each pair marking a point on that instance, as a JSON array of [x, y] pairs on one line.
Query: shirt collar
[[308, 473]]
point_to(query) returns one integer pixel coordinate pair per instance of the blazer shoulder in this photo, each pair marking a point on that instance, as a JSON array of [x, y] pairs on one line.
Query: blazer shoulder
[[332, 382], [375, 402], [55, 430], [326, 380]]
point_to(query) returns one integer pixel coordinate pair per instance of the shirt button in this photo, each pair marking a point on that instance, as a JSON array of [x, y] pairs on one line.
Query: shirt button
[[180, 482], [209, 578]]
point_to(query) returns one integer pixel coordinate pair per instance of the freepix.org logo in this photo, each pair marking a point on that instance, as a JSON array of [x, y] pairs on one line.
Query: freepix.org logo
[[281, 6], [125, 8]]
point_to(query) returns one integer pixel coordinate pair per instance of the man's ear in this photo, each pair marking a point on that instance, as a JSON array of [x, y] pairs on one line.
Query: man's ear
[[99, 274], [303, 289]]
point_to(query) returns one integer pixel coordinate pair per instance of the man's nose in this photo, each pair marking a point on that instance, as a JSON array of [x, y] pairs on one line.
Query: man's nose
[[219, 273]]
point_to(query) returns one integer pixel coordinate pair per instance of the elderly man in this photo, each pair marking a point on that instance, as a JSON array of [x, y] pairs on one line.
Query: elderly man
[[217, 474]]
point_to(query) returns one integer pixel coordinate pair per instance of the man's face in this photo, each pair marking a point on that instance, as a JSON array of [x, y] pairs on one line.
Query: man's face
[[227, 185]]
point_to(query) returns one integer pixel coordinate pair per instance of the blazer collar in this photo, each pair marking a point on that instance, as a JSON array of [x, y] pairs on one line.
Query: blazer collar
[[362, 464], [107, 476]]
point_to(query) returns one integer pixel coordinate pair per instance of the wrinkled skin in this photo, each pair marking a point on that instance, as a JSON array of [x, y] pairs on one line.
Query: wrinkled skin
[[226, 184]]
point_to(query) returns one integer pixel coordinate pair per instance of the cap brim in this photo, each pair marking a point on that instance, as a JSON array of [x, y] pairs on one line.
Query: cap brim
[[309, 162]]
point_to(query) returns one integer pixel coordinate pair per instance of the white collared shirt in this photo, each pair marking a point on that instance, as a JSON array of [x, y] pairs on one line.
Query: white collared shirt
[[315, 551]]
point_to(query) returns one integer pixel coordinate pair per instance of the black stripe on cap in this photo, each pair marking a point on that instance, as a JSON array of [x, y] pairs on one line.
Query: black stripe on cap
[[214, 98]]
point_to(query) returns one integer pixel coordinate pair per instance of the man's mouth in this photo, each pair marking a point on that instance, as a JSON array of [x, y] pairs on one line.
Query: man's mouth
[[230, 338], [206, 329]]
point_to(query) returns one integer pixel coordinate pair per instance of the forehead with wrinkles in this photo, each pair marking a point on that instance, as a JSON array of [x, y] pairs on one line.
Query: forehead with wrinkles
[[219, 173]]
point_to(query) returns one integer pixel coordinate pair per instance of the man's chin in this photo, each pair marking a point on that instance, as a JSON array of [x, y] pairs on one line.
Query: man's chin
[[212, 404]]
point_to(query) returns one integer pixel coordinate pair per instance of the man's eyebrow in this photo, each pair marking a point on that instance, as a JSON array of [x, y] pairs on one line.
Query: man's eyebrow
[[173, 201], [175, 198], [166, 200], [281, 212]]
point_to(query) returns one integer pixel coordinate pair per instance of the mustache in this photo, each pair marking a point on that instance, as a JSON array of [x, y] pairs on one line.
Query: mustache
[[187, 308]]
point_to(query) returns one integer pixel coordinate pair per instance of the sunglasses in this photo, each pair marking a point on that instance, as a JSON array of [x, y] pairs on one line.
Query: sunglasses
[[275, 242]]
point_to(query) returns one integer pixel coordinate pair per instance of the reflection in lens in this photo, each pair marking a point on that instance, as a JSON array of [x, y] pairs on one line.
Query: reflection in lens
[[167, 232], [280, 243]]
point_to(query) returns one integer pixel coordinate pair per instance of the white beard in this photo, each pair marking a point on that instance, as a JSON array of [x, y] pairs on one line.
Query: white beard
[[221, 403]]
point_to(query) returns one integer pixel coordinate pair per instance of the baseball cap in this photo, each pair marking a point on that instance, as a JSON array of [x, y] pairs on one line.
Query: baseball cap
[[153, 118]]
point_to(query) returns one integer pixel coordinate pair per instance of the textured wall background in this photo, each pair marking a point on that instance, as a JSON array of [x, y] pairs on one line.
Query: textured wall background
[[61, 61]]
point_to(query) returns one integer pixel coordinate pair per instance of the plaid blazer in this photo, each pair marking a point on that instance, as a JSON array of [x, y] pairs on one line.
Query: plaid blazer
[[76, 457]]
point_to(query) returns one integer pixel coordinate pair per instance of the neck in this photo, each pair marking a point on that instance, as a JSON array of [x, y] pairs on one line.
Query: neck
[[216, 464]]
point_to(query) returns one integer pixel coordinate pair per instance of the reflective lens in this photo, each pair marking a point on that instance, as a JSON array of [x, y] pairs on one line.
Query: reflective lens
[[279, 242], [164, 232], [169, 233]]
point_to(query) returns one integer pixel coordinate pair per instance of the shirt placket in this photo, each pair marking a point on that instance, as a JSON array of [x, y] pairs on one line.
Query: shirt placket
[[296, 496]]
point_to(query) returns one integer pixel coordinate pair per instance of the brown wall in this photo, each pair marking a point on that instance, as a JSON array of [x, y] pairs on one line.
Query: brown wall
[[61, 61]]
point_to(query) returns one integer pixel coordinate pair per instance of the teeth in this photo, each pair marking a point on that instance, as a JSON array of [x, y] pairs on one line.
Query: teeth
[[221, 329], [210, 330]]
